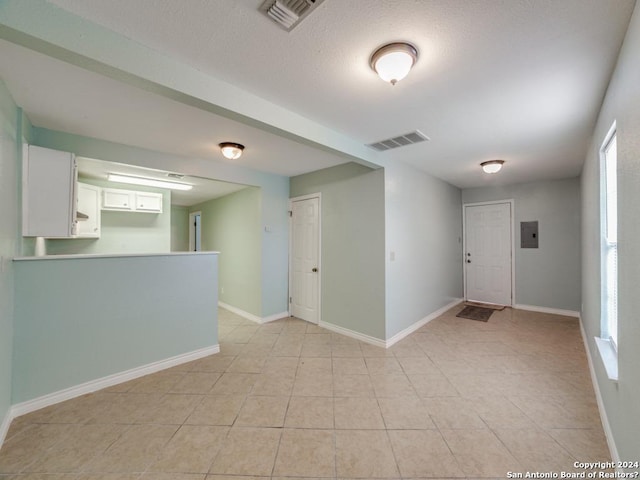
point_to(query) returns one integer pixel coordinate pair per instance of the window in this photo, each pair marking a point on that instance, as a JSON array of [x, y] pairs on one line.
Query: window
[[610, 240], [608, 343]]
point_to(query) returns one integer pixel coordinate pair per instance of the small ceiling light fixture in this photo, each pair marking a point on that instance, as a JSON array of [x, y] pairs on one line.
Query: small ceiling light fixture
[[393, 62], [231, 150], [492, 166], [149, 182]]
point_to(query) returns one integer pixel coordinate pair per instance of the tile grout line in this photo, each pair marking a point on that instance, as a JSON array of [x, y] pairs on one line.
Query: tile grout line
[[240, 349]]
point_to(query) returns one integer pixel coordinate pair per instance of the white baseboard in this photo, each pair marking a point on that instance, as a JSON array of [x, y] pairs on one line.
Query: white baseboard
[[274, 317], [4, 426], [554, 311], [108, 381], [397, 337], [613, 450], [412, 328], [242, 313], [353, 334], [251, 316]]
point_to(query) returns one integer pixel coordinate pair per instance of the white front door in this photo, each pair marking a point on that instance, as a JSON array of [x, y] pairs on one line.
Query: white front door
[[305, 257], [487, 254]]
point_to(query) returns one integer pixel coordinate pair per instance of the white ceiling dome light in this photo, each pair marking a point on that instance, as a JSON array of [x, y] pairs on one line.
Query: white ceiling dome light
[[393, 62], [492, 166], [231, 150]]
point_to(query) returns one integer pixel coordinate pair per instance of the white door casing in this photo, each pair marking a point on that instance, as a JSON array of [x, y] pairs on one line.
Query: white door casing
[[488, 253], [304, 265]]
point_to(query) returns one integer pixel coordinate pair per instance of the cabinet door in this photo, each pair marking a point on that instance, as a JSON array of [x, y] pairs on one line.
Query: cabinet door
[[115, 199], [89, 205], [48, 193], [149, 202]]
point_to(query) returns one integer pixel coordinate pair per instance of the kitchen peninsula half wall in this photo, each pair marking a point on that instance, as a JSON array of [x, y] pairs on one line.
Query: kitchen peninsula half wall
[[85, 322]]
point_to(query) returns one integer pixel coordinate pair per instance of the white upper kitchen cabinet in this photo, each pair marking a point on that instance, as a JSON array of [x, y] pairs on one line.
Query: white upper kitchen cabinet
[[88, 211], [149, 202], [116, 199], [131, 201], [48, 193]]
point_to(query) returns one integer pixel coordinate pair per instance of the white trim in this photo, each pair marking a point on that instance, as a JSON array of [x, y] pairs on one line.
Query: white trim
[[25, 187], [554, 311], [317, 195], [251, 316], [108, 381], [412, 328], [274, 317], [605, 245], [613, 450], [4, 427], [353, 334], [397, 337], [609, 356], [238, 311], [96, 256], [512, 204]]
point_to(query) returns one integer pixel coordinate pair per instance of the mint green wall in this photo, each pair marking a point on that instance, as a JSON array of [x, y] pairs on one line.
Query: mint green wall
[[274, 207], [179, 229], [123, 232], [10, 142], [82, 319], [273, 202], [424, 231], [548, 276], [622, 104], [352, 263], [231, 226]]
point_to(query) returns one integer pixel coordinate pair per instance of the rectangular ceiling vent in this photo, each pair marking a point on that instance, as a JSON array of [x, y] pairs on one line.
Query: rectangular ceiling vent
[[400, 141], [288, 13]]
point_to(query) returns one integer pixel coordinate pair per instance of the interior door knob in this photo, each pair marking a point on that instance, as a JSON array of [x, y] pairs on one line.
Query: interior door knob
[[468, 261], [314, 269]]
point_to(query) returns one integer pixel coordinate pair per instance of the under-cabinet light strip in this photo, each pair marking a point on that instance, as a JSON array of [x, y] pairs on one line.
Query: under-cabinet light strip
[[149, 182]]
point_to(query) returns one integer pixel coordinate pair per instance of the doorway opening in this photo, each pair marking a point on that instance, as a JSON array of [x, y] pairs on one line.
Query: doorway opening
[[195, 232]]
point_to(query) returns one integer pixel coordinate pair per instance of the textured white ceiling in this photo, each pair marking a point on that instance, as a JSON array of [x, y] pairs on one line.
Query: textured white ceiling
[[520, 80], [64, 97]]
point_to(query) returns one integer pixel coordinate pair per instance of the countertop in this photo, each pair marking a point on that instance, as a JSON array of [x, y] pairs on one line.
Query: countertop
[[113, 255]]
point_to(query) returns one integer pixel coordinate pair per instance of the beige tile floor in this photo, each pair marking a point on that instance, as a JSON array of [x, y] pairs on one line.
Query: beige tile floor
[[286, 400]]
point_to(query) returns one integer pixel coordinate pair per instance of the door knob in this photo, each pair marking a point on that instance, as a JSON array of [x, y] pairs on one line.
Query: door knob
[[314, 269], [468, 261]]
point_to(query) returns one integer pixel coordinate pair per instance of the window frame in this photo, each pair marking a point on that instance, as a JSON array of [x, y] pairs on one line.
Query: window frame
[[608, 230]]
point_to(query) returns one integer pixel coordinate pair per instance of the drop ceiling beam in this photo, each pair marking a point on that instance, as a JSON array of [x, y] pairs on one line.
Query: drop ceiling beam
[[47, 29]]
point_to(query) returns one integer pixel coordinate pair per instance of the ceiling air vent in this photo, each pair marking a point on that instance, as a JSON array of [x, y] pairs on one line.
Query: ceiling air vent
[[288, 13], [400, 141]]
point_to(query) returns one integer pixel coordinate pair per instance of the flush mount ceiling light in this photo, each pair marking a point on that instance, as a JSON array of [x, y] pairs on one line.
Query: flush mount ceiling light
[[231, 150], [392, 62], [149, 182], [492, 166]]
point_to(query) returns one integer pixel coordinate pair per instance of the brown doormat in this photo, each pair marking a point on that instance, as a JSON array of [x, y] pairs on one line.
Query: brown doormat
[[492, 306], [476, 313]]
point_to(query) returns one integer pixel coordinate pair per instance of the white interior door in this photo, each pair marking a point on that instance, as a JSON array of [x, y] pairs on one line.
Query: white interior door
[[305, 259], [487, 254]]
